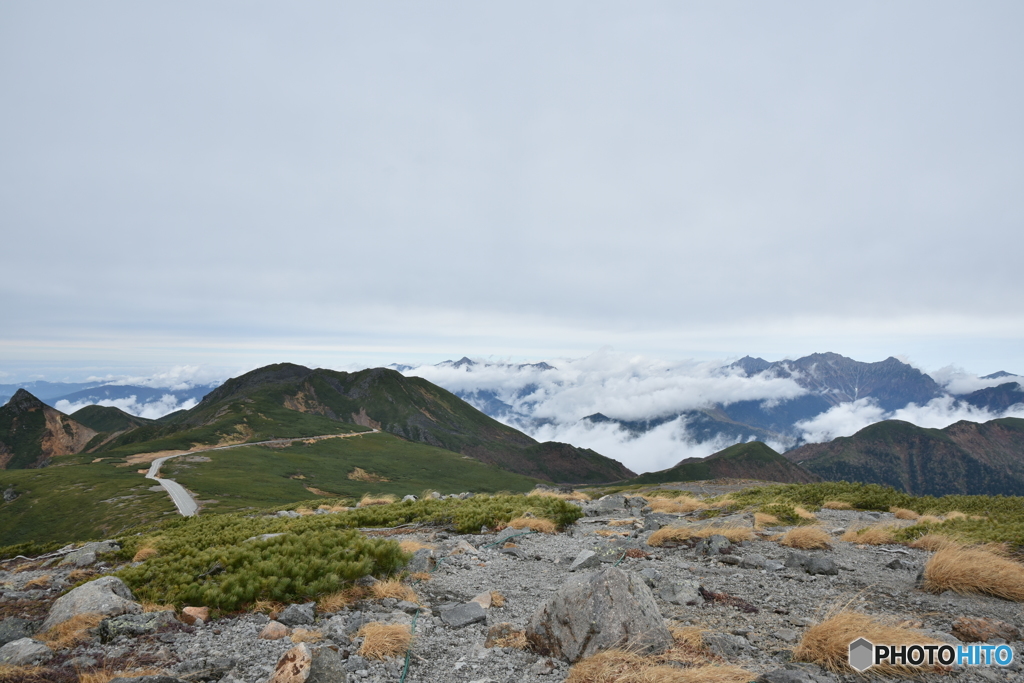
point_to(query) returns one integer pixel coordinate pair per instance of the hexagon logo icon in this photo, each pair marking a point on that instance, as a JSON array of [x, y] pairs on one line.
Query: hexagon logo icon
[[862, 653]]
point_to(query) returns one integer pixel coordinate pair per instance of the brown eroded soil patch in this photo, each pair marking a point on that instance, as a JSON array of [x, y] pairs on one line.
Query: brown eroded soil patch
[[145, 458]]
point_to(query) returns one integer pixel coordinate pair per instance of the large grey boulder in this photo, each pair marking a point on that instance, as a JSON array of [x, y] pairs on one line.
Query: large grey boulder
[[304, 664], [107, 595], [14, 628], [604, 610], [24, 652]]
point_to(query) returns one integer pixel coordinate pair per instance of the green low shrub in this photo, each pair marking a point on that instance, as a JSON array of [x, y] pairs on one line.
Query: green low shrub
[[216, 560]]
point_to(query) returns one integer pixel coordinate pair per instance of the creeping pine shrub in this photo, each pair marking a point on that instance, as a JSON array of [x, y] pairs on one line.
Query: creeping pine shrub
[[786, 514], [218, 561]]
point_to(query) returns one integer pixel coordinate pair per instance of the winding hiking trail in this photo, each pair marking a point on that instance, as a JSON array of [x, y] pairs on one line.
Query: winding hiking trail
[[185, 502]]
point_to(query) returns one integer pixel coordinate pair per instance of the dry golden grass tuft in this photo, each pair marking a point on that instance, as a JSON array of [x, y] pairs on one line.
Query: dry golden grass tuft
[[335, 602], [763, 519], [932, 542], [497, 599], [368, 500], [38, 582], [76, 575], [10, 673], [515, 639], [735, 534], [144, 553], [539, 524], [828, 644], [420, 576], [611, 532], [575, 495], [955, 514], [304, 635], [393, 588], [878, 534], [334, 508], [974, 570], [305, 512], [806, 538], [411, 545], [929, 519], [803, 513], [381, 641], [25, 567], [836, 505], [903, 513], [689, 636], [107, 674], [269, 607], [723, 502], [359, 474], [154, 607], [72, 632], [676, 505], [621, 666], [629, 521]]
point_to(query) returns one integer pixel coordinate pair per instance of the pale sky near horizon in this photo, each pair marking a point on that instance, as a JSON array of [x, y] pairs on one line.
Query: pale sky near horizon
[[228, 184]]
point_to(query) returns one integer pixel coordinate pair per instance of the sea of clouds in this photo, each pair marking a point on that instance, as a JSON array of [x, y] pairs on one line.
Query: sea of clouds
[[550, 404]]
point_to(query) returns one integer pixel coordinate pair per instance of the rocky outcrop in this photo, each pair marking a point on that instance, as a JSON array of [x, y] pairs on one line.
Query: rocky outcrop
[[107, 595], [602, 611], [24, 652], [32, 432]]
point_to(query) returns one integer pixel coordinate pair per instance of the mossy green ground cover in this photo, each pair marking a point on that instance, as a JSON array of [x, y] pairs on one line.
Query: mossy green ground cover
[[259, 476], [77, 502], [219, 561], [1000, 518]]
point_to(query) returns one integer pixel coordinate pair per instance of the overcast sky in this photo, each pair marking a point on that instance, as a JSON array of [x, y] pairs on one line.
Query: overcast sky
[[228, 184]]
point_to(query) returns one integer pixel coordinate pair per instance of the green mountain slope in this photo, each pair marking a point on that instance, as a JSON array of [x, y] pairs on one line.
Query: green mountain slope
[[32, 432], [964, 458], [751, 460], [290, 401], [108, 419]]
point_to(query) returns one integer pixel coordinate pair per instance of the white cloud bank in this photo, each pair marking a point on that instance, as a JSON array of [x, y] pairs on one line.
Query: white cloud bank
[[550, 404], [848, 418], [178, 378], [151, 410]]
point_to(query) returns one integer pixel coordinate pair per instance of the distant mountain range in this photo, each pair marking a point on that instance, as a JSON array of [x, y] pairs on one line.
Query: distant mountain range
[[277, 400], [964, 458], [825, 381], [84, 393]]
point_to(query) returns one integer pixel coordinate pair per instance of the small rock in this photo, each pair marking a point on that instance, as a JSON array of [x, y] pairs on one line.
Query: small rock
[[132, 625], [587, 559], [650, 575], [786, 634], [901, 565], [542, 667], [303, 664], [498, 632], [484, 599], [463, 547], [753, 561], [24, 652], [726, 645], [407, 607], [464, 615], [682, 593], [423, 561], [275, 630], [298, 615], [980, 630], [821, 565], [190, 614], [729, 559]]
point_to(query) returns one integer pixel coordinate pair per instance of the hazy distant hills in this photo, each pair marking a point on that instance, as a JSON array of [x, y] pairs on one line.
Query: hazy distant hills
[[80, 393], [964, 458]]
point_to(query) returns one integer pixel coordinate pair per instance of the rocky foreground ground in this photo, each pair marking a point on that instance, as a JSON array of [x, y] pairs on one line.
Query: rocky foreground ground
[[752, 600]]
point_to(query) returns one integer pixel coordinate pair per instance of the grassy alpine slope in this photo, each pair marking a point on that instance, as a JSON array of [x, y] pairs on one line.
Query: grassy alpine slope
[[752, 460], [290, 401]]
